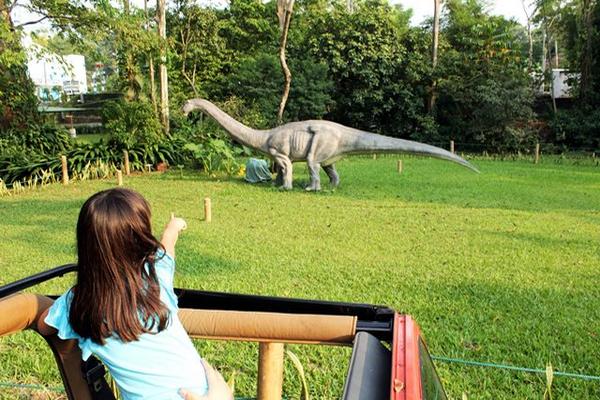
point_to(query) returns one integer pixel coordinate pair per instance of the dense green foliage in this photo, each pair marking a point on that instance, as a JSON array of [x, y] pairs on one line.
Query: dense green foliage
[[378, 64], [500, 266], [366, 67], [579, 128], [485, 94], [130, 123], [18, 104]]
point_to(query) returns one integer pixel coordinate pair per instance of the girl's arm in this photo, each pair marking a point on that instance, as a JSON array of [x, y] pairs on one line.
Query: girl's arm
[[171, 233], [42, 327], [217, 387]]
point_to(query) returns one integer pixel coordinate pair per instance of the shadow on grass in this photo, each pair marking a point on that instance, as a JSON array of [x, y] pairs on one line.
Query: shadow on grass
[[13, 213], [527, 327], [503, 185], [192, 263], [541, 241], [519, 326]]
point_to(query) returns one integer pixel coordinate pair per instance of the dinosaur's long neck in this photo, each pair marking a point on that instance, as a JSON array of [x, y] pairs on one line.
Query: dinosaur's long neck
[[240, 132]]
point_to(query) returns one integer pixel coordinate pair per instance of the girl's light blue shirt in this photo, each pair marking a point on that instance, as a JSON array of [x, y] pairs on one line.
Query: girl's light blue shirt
[[156, 365]]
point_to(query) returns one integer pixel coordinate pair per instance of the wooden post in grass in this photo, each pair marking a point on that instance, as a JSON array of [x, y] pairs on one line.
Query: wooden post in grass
[[374, 156], [270, 371], [537, 153], [65, 170], [399, 166], [207, 210], [126, 162], [119, 178], [72, 130], [452, 146]]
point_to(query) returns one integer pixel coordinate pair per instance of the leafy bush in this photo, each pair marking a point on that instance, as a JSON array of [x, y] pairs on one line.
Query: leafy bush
[[213, 155], [24, 153], [378, 65], [577, 128], [484, 90], [45, 139], [129, 123], [18, 103]]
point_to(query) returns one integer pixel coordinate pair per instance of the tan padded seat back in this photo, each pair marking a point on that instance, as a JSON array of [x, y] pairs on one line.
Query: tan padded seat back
[[268, 327], [21, 311]]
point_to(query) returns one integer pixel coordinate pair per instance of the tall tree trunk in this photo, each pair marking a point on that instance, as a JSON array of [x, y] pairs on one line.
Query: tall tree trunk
[[151, 66], [164, 84], [284, 11], [587, 53], [529, 37], [152, 84], [543, 58], [434, 51]]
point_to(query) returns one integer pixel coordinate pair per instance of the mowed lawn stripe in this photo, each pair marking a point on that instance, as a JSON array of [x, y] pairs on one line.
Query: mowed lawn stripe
[[500, 266]]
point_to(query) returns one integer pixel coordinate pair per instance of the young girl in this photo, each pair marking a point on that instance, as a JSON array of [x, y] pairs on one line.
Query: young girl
[[122, 308]]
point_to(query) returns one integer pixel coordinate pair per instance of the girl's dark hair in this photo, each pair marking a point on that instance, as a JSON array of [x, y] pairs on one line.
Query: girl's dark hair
[[115, 293]]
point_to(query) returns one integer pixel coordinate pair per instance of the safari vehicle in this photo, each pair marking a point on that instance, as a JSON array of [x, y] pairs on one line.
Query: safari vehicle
[[389, 357]]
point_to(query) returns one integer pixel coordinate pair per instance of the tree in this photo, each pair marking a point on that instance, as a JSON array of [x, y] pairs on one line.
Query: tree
[[485, 95], [284, 12], [434, 49], [18, 104], [200, 52], [380, 66], [164, 80]]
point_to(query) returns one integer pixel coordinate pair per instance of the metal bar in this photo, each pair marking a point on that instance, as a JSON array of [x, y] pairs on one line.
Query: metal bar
[[244, 302], [36, 279]]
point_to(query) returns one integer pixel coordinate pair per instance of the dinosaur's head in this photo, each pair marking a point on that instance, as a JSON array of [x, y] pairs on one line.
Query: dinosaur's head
[[188, 107]]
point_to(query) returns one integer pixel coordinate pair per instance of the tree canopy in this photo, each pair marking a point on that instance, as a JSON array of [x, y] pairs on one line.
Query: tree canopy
[[362, 65]]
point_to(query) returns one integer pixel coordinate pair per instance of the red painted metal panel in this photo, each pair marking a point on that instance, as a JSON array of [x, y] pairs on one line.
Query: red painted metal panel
[[406, 367]]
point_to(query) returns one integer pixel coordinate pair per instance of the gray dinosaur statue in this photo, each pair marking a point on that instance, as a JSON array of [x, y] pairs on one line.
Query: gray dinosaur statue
[[319, 143]]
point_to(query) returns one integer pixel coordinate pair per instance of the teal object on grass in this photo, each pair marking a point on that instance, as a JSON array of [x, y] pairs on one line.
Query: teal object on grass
[[257, 171]]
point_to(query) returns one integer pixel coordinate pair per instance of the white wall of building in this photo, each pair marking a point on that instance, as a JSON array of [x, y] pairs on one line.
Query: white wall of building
[[49, 71], [560, 85]]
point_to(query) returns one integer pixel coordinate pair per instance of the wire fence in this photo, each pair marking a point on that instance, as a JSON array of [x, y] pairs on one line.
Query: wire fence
[[51, 171]]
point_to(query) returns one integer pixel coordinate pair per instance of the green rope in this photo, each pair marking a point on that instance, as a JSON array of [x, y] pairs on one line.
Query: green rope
[[513, 368], [61, 390], [436, 358], [31, 386]]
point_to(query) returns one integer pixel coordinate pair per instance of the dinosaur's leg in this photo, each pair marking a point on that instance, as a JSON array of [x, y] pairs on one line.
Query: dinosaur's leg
[[313, 169], [287, 174], [284, 168], [334, 178], [279, 177]]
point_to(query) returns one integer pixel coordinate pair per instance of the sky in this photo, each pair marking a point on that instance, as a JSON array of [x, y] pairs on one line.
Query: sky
[[424, 8]]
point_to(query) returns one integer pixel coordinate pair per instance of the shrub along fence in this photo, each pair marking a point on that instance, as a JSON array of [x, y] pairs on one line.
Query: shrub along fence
[[98, 161], [89, 161]]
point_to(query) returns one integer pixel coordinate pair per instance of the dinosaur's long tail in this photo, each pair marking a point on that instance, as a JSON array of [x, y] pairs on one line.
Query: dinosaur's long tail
[[367, 142]]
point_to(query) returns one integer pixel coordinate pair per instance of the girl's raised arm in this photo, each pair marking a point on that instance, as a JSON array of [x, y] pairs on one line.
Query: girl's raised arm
[[171, 233]]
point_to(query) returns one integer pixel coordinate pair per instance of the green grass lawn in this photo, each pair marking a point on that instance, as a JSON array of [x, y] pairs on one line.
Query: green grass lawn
[[91, 137], [501, 267]]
